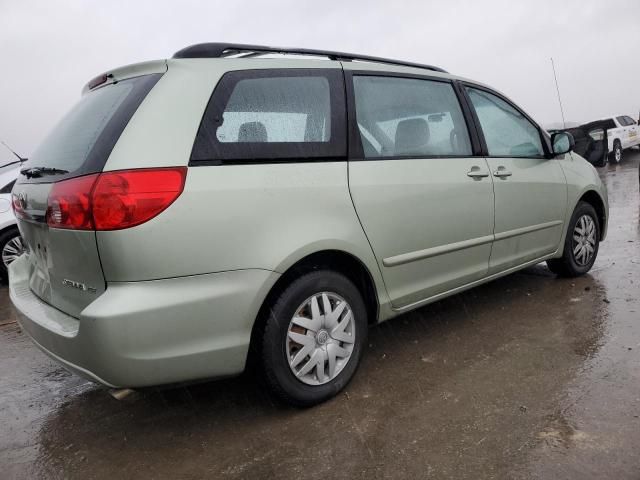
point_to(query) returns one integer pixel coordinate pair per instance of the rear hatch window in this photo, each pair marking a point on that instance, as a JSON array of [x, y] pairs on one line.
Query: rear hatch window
[[64, 266], [83, 139]]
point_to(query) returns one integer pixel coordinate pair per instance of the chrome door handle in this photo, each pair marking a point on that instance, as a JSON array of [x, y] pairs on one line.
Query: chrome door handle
[[502, 172], [475, 172]]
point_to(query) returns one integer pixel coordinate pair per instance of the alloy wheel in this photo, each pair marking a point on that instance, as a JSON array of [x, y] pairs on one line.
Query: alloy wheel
[[12, 250], [584, 240]]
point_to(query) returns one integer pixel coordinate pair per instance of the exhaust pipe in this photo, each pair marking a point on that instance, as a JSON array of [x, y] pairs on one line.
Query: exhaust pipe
[[120, 393]]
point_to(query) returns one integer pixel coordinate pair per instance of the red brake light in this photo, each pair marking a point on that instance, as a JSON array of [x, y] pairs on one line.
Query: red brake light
[[114, 200], [127, 198], [69, 203], [16, 204]]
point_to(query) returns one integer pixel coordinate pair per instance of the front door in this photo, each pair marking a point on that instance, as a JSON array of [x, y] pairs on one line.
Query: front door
[[530, 189], [424, 201], [624, 131]]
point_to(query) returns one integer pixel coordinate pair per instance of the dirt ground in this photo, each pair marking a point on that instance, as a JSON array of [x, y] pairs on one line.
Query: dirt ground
[[529, 376]]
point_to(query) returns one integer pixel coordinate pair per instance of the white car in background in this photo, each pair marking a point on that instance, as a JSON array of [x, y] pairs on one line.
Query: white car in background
[[10, 241], [623, 132]]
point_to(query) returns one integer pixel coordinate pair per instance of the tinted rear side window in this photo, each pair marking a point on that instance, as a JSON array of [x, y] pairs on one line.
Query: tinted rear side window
[[271, 110], [281, 115], [82, 141]]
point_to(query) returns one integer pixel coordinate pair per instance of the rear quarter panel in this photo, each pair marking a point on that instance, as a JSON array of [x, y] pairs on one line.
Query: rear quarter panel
[[7, 218], [229, 217], [238, 217]]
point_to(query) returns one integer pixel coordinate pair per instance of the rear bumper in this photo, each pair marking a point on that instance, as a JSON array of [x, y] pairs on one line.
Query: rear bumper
[[139, 334]]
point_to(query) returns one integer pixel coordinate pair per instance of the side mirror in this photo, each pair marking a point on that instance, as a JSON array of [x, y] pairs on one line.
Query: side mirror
[[562, 142]]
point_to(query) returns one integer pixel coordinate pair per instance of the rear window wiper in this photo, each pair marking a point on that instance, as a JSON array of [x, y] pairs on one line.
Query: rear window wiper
[[35, 172]]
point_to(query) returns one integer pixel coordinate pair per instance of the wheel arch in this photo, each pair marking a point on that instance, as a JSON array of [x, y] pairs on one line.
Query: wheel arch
[[9, 226], [332, 259], [336, 260], [593, 198]]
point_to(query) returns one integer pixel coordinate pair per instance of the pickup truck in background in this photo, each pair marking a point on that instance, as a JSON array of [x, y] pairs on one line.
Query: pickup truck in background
[[604, 140], [623, 132]]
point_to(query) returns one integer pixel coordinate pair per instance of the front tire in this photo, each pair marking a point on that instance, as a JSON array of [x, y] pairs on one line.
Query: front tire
[[313, 338], [581, 243]]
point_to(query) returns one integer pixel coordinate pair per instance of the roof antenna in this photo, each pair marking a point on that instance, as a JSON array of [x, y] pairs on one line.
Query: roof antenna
[[22, 159], [553, 66]]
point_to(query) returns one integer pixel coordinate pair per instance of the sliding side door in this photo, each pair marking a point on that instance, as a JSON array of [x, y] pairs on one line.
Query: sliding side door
[[424, 200]]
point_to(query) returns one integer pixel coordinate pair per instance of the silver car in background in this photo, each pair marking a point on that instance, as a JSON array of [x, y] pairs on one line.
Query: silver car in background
[[10, 240]]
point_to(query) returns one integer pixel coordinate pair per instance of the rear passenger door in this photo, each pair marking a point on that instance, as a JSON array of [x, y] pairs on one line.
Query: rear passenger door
[[424, 200], [530, 189]]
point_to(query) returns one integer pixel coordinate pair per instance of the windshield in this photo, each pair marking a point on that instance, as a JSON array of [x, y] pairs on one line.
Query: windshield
[[82, 141]]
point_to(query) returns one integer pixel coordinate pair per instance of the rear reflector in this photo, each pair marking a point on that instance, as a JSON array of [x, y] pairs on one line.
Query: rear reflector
[[113, 200]]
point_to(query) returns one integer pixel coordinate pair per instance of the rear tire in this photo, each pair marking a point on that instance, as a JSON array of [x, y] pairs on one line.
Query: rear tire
[[303, 373], [581, 243], [616, 155]]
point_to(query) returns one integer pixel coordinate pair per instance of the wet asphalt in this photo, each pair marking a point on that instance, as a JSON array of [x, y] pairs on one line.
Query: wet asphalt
[[529, 376]]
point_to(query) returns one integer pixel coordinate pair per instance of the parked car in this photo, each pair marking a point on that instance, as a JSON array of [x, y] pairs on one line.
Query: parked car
[[10, 240], [189, 212], [623, 132]]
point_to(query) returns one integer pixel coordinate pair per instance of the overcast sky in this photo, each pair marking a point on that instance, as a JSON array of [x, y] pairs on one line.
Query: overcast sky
[[51, 48]]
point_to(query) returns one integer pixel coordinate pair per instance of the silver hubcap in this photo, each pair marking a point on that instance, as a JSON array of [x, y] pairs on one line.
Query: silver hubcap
[[320, 338], [618, 154], [12, 250], [584, 240]]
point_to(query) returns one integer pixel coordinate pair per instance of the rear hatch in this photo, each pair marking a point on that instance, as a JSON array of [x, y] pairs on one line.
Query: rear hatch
[[64, 265]]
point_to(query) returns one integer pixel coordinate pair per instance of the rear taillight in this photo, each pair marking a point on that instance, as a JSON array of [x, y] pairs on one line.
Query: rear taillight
[[16, 204], [128, 198], [69, 203], [113, 200]]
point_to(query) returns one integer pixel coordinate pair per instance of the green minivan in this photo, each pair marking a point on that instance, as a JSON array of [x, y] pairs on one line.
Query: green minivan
[[241, 201]]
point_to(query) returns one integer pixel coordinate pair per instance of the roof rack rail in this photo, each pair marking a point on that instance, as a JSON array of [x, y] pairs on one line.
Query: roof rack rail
[[221, 50]]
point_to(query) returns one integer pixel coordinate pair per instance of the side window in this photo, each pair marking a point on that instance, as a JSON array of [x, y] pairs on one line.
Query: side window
[[407, 117], [597, 134], [630, 121], [274, 114], [507, 132], [622, 121]]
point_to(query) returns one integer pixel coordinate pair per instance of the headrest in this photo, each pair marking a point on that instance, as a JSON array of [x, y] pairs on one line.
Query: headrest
[[252, 132], [412, 136]]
